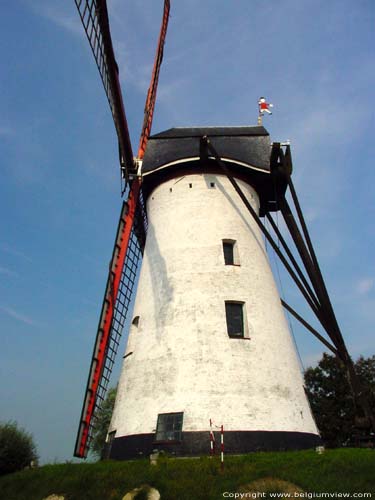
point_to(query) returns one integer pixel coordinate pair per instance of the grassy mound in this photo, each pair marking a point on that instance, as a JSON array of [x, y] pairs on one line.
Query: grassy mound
[[340, 471]]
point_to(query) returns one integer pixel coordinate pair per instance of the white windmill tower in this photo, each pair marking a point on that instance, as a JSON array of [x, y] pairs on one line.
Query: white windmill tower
[[208, 338]]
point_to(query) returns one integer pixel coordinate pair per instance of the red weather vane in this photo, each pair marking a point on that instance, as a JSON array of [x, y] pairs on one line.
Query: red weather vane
[[264, 107]]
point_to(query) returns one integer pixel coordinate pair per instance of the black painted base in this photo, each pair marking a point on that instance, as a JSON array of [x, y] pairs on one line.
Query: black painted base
[[198, 443]]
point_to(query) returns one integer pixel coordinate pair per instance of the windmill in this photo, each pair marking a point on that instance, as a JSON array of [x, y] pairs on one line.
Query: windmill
[[208, 337]]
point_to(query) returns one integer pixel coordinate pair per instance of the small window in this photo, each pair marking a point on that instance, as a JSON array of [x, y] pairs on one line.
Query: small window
[[228, 249], [106, 451], [135, 321], [230, 253], [234, 312], [110, 437], [212, 184], [169, 427], [190, 185]]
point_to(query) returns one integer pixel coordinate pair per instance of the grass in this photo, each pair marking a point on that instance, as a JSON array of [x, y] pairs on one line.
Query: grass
[[341, 470]]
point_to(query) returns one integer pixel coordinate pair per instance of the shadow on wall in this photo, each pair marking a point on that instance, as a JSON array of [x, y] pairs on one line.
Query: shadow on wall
[[231, 199], [162, 290]]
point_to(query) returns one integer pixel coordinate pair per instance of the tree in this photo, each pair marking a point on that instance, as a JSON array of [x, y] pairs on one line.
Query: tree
[[331, 397], [17, 448], [102, 421]]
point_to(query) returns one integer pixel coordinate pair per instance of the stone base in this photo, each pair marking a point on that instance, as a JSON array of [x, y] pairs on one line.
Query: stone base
[[198, 443]]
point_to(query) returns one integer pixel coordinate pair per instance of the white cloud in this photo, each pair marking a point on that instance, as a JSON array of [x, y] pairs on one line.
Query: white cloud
[[18, 316], [59, 16], [311, 214], [7, 272], [364, 285], [131, 71], [12, 251]]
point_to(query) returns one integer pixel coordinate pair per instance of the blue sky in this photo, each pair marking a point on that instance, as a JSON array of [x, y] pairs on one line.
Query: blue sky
[[60, 188]]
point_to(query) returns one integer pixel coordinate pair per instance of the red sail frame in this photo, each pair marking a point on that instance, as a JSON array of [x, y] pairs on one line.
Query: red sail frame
[[106, 318], [151, 94], [95, 22]]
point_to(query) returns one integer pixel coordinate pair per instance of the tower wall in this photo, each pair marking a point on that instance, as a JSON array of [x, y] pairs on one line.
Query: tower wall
[[179, 356]]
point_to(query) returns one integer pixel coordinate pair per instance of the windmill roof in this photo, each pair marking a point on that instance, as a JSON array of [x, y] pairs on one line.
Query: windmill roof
[[240, 131], [178, 151], [247, 145]]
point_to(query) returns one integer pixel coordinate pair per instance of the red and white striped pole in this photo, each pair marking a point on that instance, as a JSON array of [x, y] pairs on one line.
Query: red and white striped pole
[[212, 440], [222, 447]]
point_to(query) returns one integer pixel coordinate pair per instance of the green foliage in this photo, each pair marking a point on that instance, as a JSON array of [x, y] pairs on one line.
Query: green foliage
[[331, 397], [341, 470], [17, 448], [103, 419]]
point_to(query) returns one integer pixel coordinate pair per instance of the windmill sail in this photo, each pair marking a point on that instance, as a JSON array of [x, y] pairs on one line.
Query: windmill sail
[[151, 94], [94, 17], [131, 233], [121, 283]]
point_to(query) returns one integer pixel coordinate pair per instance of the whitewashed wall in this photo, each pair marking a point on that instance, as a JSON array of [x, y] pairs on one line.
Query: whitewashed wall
[[183, 359]]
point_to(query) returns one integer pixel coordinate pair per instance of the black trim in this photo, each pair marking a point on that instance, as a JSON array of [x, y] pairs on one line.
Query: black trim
[[198, 443], [260, 180], [178, 132]]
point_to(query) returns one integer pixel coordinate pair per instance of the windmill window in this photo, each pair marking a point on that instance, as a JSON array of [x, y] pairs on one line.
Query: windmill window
[[234, 312], [230, 252], [135, 321], [110, 437], [170, 190], [212, 184], [169, 427], [190, 185], [108, 444]]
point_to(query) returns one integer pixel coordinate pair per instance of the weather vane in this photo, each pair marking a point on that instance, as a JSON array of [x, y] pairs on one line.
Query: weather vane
[[264, 107]]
